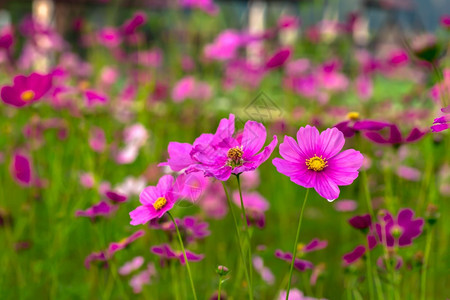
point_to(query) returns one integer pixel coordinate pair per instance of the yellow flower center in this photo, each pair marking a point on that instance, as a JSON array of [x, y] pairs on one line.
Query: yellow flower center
[[27, 95], [235, 157], [159, 203], [353, 115], [300, 247], [316, 163]]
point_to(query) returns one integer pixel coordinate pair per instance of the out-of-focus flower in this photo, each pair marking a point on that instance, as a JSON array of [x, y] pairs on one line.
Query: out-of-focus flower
[[395, 136], [166, 253], [130, 26], [190, 88], [314, 161], [132, 265], [87, 180], [295, 294], [442, 123], [346, 205], [115, 196], [213, 201], [224, 47], [299, 264], [278, 59], [361, 222], [131, 186], [255, 206], [109, 37], [408, 173], [155, 200], [26, 89], [354, 255], [134, 138], [94, 98], [102, 208], [142, 278], [97, 140], [21, 169], [445, 21], [264, 271], [107, 254]]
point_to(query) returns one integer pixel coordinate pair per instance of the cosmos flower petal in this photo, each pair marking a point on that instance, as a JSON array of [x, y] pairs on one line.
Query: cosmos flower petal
[[149, 195], [353, 256], [330, 142], [253, 138], [290, 150], [326, 187], [307, 138], [141, 215]]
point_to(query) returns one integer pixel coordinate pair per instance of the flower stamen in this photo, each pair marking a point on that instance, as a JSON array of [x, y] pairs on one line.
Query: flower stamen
[[316, 163], [27, 95], [235, 157], [160, 203]]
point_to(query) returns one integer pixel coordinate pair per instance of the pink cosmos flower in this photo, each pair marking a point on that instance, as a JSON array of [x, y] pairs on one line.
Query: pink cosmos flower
[[442, 123], [132, 265], [278, 59], [26, 89], [264, 271], [224, 47], [138, 19], [21, 169], [295, 294], [155, 200], [87, 180], [346, 205], [225, 155], [255, 206], [314, 161], [109, 37], [166, 253], [142, 278], [93, 98], [97, 140], [102, 208]]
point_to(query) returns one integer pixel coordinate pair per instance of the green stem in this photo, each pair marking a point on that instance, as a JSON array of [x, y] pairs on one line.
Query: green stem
[[294, 253], [238, 237], [220, 288], [423, 277], [184, 254], [369, 259], [250, 265]]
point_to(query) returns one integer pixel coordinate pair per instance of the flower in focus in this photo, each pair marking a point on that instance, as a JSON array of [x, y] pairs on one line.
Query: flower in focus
[[155, 200], [227, 155], [314, 161], [26, 89]]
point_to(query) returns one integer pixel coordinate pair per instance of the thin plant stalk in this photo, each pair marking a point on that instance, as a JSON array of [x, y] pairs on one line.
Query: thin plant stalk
[[423, 277], [247, 231], [250, 293], [294, 252], [184, 254]]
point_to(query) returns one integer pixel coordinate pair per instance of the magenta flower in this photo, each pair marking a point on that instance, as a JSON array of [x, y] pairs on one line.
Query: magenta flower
[[224, 47], [226, 155], [399, 231], [166, 253], [314, 161], [255, 206], [142, 278], [314, 245], [265, 272], [116, 197], [138, 19], [354, 125], [21, 169], [346, 205], [361, 222], [156, 201], [278, 59], [26, 89], [97, 139], [132, 265], [395, 136], [353, 256], [295, 294], [442, 123], [102, 208], [299, 264]]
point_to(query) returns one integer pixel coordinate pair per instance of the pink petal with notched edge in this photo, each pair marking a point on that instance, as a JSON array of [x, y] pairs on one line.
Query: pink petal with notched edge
[[330, 143], [253, 138], [326, 187], [307, 138]]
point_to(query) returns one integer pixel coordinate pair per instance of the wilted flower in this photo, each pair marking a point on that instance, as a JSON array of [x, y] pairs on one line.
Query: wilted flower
[[314, 161]]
